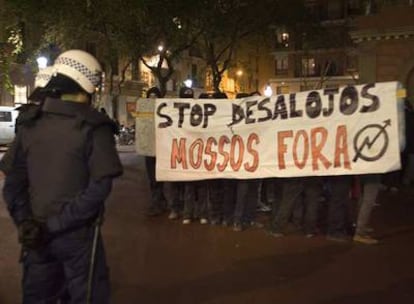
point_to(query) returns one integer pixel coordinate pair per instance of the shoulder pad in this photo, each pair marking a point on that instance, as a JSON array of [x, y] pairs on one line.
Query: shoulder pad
[[27, 114], [95, 119]]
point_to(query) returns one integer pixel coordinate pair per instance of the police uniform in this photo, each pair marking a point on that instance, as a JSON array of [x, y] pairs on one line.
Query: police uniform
[[59, 172]]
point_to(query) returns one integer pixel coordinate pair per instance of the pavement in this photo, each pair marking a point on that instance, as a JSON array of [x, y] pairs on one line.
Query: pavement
[[157, 261]]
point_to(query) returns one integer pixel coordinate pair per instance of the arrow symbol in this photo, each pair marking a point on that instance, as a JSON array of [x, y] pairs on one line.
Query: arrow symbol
[[368, 142]]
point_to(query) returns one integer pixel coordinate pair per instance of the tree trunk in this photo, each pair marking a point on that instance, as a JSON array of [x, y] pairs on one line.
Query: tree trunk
[[216, 81], [163, 85], [114, 102], [135, 68]]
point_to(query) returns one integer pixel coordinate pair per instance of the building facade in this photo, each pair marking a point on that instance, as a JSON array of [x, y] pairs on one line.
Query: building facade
[[384, 39], [360, 41], [314, 57]]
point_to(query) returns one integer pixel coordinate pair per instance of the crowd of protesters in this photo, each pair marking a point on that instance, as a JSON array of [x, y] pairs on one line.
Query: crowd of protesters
[[338, 207]]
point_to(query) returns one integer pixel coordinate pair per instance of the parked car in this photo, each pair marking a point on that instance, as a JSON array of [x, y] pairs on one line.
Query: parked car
[[7, 123]]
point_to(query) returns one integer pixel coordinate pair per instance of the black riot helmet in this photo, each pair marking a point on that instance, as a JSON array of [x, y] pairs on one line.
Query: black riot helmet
[[219, 95], [41, 80], [154, 92], [186, 93]]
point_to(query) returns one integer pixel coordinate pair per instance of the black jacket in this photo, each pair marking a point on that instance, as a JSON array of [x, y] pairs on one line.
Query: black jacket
[[60, 167]]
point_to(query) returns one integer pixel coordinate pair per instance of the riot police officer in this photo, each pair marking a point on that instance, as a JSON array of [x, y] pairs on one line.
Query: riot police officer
[[59, 175], [41, 80]]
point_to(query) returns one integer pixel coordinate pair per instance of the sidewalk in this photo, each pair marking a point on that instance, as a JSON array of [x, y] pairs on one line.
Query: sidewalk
[[126, 148]]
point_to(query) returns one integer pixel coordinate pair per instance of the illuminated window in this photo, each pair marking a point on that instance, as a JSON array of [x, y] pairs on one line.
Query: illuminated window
[[281, 66], [308, 66]]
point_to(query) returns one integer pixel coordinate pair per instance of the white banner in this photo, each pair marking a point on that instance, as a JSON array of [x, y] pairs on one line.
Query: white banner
[[144, 125], [350, 130]]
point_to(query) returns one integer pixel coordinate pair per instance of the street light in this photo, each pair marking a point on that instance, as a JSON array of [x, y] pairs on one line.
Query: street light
[[188, 83], [268, 91], [237, 81], [41, 62]]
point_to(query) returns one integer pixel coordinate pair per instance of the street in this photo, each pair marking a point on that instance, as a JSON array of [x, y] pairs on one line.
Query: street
[[157, 261]]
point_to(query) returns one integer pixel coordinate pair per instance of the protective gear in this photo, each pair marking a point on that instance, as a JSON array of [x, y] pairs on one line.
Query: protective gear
[[58, 177], [41, 80], [43, 77], [186, 93], [32, 234], [64, 162], [28, 113], [96, 235], [219, 95], [154, 92], [81, 67]]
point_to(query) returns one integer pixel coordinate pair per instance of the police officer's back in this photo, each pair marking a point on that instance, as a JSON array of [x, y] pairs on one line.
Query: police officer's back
[[58, 175]]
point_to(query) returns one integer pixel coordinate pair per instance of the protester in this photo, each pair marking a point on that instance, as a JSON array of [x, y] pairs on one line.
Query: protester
[[371, 184], [229, 201], [308, 153], [57, 181], [180, 195], [391, 181], [248, 198], [195, 202], [266, 195], [408, 155], [246, 204], [214, 187], [158, 203], [292, 188], [338, 207]]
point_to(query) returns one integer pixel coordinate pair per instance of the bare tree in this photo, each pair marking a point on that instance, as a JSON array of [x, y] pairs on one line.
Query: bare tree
[[226, 23]]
